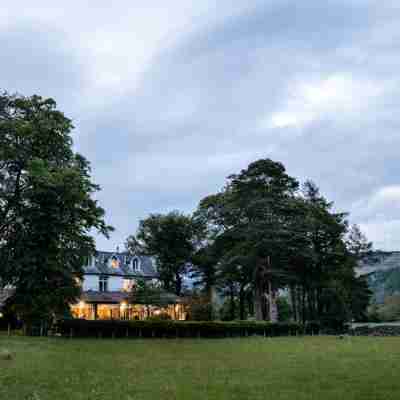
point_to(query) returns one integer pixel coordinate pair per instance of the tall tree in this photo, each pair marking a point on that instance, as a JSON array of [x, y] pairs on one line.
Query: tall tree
[[254, 213], [357, 243], [148, 294], [171, 239], [47, 210]]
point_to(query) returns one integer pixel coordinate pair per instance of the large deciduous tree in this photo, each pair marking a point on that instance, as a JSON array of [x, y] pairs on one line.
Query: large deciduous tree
[[47, 210], [171, 239]]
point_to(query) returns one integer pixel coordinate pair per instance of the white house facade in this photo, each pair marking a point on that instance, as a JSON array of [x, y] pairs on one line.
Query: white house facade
[[108, 281]]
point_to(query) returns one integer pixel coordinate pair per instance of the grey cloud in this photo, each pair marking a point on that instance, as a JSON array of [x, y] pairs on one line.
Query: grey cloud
[[194, 116], [38, 60]]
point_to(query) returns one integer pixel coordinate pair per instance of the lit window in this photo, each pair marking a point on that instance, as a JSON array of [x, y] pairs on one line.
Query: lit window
[[115, 262], [103, 283]]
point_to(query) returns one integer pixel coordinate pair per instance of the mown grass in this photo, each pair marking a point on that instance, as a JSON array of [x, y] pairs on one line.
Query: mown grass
[[320, 368]]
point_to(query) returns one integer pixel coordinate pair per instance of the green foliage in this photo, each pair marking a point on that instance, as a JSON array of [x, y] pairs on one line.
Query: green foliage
[[229, 309], [47, 210], [198, 307], [160, 317], [151, 294], [159, 328], [170, 239], [145, 292], [357, 243], [284, 310], [263, 234]]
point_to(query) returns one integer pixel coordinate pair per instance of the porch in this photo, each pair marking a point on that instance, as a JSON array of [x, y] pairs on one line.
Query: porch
[[116, 305]]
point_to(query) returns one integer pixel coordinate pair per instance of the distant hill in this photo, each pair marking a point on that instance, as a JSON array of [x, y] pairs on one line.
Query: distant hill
[[383, 273]]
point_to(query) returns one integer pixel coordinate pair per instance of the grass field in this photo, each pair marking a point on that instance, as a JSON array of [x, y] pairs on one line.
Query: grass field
[[320, 368]]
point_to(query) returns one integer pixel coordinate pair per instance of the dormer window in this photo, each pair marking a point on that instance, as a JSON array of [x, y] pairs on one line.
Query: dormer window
[[114, 262], [135, 264], [88, 261]]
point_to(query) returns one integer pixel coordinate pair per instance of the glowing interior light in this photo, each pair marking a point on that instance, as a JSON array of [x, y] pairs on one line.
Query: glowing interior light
[[123, 305], [114, 263]]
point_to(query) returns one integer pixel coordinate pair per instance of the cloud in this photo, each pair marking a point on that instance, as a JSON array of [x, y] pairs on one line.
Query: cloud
[[168, 101], [383, 204], [336, 95], [385, 235]]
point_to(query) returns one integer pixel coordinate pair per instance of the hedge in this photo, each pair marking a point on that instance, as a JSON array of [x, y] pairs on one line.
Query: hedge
[[377, 330], [175, 329]]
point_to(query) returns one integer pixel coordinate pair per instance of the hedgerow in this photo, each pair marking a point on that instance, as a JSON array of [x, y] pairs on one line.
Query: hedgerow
[[174, 329]]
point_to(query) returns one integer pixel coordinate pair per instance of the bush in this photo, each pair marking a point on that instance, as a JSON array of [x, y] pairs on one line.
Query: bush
[[284, 309], [160, 317], [173, 329], [200, 312]]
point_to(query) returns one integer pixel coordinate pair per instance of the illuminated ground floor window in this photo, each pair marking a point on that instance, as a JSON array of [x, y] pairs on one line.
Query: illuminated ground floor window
[[125, 311]]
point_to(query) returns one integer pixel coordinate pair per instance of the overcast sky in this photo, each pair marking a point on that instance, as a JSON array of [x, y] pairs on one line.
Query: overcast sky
[[170, 97]]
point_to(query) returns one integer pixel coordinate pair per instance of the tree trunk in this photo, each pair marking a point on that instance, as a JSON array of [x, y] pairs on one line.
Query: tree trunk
[[214, 302], [258, 301], [241, 302], [303, 305], [178, 284], [259, 288], [232, 303], [293, 302], [272, 306], [250, 303], [319, 303]]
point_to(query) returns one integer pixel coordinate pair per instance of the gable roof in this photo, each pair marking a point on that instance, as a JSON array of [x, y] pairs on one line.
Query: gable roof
[[101, 264]]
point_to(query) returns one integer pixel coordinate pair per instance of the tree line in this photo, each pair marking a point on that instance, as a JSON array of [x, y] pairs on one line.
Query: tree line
[[262, 236]]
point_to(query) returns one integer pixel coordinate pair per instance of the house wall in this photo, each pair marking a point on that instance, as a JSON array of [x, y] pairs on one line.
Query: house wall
[[115, 283], [90, 282]]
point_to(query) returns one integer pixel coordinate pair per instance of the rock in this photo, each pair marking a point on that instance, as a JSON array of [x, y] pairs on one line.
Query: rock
[[5, 355]]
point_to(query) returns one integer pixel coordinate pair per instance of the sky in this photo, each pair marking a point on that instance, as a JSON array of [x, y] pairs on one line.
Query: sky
[[169, 98]]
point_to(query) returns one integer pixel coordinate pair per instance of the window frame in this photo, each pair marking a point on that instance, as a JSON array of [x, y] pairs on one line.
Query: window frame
[[103, 283]]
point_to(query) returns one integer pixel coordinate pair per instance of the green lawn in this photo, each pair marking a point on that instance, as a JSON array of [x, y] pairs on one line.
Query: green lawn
[[307, 368]]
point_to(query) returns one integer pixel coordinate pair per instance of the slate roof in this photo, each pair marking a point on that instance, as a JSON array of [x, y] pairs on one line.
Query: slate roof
[[104, 297], [123, 265]]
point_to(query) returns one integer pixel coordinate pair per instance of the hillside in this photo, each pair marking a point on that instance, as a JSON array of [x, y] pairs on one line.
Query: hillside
[[383, 271]]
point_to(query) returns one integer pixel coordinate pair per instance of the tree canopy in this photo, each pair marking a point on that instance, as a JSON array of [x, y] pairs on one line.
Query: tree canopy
[[47, 209], [171, 239], [265, 236]]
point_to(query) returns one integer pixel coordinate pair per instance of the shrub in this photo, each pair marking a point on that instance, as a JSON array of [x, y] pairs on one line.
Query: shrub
[[160, 317], [284, 309]]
